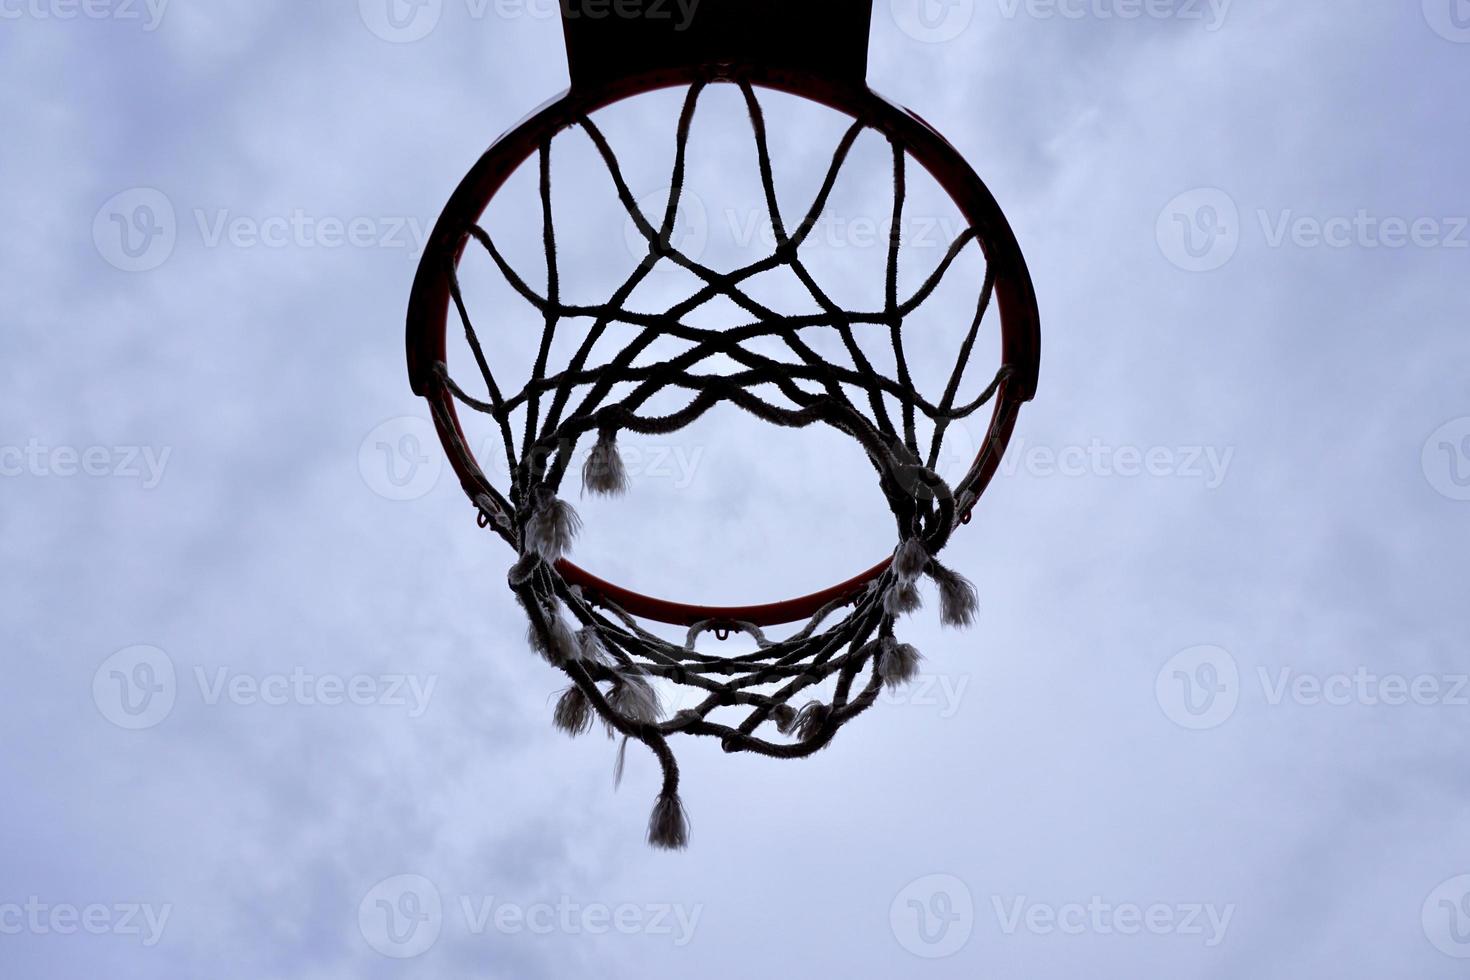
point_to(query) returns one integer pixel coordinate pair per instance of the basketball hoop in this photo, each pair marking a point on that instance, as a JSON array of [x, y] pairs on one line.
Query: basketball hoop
[[816, 51]]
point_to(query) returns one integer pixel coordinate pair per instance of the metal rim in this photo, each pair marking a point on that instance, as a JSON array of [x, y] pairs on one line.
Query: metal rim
[[429, 305]]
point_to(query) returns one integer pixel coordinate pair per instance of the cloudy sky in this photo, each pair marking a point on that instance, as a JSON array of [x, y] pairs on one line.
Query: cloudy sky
[[268, 707]]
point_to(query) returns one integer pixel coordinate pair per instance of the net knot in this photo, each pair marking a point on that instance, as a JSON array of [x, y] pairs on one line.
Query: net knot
[[553, 525], [603, 473]]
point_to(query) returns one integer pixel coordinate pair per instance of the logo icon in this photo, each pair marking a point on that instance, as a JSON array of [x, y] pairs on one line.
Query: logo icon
[[1199, 688], [1199, 231], [933, 21], [1446, 459], [959, 450], [1446, 917], [933, 917], [400, 459], [1450, 19], [137, 230], [402, 916], [689, 235], [957, 453], [401, 21], [135, 688]]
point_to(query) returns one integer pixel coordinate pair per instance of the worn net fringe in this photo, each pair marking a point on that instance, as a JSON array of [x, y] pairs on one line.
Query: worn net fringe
[[609, 658]]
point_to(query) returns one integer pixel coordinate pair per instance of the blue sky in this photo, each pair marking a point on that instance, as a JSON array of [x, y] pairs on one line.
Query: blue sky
[[268, 706]]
